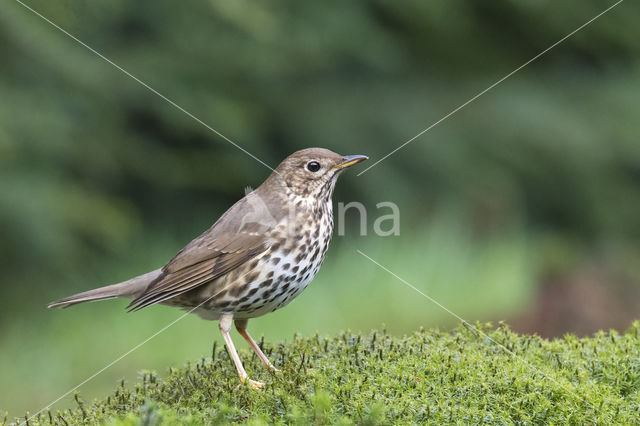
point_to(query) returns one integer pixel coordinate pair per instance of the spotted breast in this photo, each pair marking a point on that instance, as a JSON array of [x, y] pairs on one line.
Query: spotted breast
[[299, 243]]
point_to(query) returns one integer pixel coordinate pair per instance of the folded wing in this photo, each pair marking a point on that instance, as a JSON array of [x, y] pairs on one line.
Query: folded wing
[[228, 244]]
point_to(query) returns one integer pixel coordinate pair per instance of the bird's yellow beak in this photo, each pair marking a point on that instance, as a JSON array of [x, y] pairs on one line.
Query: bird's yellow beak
[[348, 161]]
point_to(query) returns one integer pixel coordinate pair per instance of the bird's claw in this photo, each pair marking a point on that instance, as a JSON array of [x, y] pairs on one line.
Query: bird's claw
[[255, 384], [274, 369]]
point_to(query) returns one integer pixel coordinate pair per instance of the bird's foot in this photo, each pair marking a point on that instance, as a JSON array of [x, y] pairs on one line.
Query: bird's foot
[[255, 384]]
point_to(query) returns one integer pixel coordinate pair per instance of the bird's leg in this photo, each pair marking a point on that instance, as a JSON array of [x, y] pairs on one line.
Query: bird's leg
[[225, 327], [241, 326]]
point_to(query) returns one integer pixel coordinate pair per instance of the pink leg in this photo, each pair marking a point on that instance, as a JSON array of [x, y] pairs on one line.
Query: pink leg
[[241, 326], [225, 327]]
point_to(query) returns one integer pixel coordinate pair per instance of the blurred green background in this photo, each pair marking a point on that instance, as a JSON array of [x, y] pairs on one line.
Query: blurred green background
[[523, 206]]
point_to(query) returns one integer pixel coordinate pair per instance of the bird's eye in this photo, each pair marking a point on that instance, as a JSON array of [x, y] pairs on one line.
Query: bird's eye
[[313, 166]]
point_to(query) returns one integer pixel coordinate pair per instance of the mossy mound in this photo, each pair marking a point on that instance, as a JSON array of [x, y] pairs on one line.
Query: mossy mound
[[428, 377]]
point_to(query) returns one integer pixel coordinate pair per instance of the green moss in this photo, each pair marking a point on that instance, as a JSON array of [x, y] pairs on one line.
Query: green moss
[[427, 377]]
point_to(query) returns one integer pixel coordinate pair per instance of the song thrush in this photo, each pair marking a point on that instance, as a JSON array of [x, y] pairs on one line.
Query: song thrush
[[260, 254]]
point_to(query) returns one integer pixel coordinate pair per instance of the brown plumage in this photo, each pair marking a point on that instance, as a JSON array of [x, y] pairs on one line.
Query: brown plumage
[[255, 259]]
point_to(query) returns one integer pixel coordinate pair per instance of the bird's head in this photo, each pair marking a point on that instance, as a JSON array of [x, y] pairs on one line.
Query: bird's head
[[312, 172]]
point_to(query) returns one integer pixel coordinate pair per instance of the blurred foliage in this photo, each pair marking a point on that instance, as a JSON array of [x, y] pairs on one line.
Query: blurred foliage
[[89, 158], [428, 377], [101, 179]]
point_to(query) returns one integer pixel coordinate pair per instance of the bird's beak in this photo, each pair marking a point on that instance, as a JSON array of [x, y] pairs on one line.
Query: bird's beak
[[349, 160]]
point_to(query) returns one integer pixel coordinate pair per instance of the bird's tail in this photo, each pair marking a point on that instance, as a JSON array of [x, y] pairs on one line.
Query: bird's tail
[[129, 288]]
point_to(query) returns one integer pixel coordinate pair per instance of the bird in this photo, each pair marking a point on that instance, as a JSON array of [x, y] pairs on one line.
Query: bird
[[256, 258]]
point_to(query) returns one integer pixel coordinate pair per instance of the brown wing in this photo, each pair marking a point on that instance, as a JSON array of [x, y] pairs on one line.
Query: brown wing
[[229, 243]]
